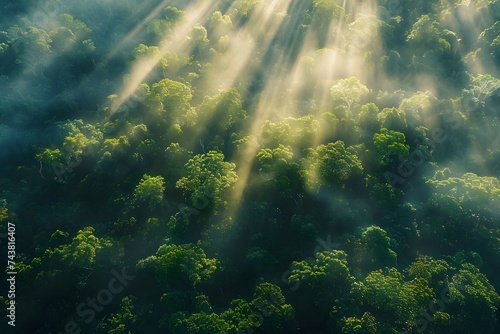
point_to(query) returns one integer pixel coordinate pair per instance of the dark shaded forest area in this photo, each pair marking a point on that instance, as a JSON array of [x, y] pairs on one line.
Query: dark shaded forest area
[[250, 166]]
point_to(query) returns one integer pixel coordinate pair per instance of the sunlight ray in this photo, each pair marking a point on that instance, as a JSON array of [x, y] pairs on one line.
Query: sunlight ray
[[234, 68], [195, 13]]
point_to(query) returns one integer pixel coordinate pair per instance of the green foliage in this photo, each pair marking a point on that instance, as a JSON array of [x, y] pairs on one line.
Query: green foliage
[[170, 17], [481, 88], [476, 297], [246, 7], [49, 156], [122, 321], [366, 135], [324, 11], [171, 98], [180, 266], [377, 244], [208, 175], [480, 194], [348, 91], [80, 253], [202, 323], [367, 324], [277, 164], [390, 144], [391, 297], [362, 32], [150, 54], [393, 119], [368, 118], [328, 271], [220, 21], [4, 212], [149, 190], [430, 42], [297, 132], [435, 272], [222, 114], [333, 165]]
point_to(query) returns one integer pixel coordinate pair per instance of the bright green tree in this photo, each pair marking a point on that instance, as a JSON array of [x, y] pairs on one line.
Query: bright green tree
[[333, 165], [208, 175], [149, 190], [178, 267], [390, 145], [277, 164], [348, 91]]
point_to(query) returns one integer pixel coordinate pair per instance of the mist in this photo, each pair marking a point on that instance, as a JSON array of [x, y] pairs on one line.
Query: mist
[[211, 146]]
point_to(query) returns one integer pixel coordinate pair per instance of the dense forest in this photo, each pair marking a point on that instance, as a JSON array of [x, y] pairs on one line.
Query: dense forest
[[250, 166]]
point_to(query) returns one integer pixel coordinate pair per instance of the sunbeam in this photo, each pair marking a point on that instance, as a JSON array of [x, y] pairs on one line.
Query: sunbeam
[[239, 166]]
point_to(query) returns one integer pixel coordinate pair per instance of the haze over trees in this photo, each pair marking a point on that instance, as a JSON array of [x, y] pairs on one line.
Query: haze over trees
[[251, 166]]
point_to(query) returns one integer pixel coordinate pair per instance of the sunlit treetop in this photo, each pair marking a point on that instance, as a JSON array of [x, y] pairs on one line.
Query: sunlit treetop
[[332, 165], [388, 293], [180, 266], [295, 132], [348, 91], [470, 191], [166, 23], [220, 21], [208, 175], [149, 190], [324, 11], [390, 145]]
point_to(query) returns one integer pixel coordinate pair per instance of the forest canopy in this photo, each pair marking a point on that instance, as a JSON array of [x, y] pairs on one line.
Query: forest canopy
[[250, 166]]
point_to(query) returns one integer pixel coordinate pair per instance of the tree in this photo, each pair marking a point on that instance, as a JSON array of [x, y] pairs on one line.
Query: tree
[[390, 144], [266, 312], [176, 157], [70, 260], [269, 301], [297, 132], [435, 272], [324, 12], [150, 56], [245, 9], [368, 119], [221, 115], [199, 38], [477, 301], [415, 107], [219, 24], [63, 39], [392, 300], [367, 324], [479, 194], [324, 281], [378, 253], [171, 99], [201, 323], [149, 190], [363, 33], [393, 118], [489, 43], [164, 26], [461, 212], [385, 195], [348, 91], [480, 90], [433, 46], [278, 164], [333, 165], [123, 320], [208, 175], [180, 267], [80, 253]]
